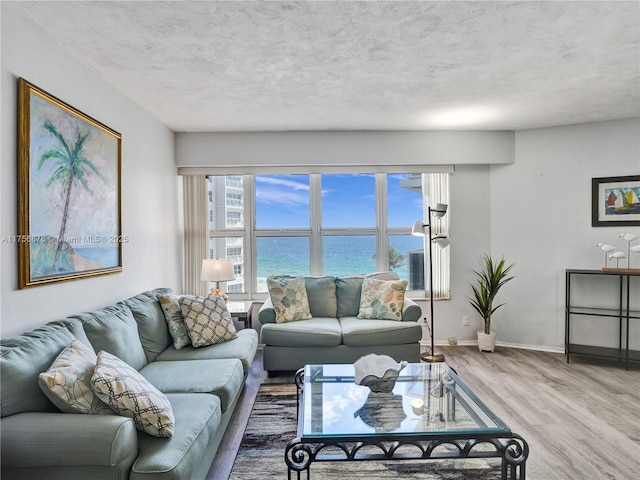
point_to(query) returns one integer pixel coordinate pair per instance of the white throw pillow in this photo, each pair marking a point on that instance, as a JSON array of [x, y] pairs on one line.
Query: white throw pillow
[[207, 320], [67, 382], [130, 395]]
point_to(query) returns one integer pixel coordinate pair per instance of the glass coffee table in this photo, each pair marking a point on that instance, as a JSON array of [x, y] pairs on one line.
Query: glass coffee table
[[430, 414]]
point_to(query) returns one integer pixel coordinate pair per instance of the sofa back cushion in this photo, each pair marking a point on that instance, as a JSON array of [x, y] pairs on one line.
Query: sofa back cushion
[[152, 326], [321, 292], [114, 330], [24, 357]]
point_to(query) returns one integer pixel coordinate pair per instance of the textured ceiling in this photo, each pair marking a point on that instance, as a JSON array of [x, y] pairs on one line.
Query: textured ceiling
[[396, 65]]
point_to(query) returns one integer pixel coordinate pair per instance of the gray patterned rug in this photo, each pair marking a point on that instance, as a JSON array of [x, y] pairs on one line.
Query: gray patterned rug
[[273, 424]]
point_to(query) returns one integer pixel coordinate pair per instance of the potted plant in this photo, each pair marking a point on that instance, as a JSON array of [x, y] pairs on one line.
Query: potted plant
[[487, 284]]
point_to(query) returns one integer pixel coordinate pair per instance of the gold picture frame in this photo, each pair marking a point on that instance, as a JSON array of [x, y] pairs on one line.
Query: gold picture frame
[[69, 192]]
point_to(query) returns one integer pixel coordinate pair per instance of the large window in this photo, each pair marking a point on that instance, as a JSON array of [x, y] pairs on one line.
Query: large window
[[315, 224]]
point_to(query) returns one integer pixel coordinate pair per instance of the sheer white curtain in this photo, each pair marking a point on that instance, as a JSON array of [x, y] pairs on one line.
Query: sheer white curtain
[[438, 188], [196, 232]]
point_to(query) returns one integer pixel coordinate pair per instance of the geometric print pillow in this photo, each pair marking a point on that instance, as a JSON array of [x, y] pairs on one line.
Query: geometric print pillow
[[130, 395], [289, 298], [382, 299], [207, 320], [175, 321], [67, 382]]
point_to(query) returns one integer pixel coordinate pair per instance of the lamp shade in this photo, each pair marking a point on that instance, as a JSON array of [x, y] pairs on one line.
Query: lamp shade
[[440, 210], [418, 228], [441, 240], [217, 270]]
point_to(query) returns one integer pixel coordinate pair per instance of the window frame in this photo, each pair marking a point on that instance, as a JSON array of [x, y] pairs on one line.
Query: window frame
[[382, 232]]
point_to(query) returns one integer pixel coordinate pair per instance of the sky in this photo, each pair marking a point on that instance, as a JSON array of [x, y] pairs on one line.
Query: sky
[[282, 201]]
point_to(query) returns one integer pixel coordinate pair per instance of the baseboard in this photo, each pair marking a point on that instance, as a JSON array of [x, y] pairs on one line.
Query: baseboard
[[471, 343]]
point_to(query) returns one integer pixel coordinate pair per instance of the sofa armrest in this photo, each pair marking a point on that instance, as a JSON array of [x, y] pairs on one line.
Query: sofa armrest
[[267, 313], [411, 311], [37, 440]]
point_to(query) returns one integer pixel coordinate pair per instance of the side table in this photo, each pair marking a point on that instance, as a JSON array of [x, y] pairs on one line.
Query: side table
[[241, 311]]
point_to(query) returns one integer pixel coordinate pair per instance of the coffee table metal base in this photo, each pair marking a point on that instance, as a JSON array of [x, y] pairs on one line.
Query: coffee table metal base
[[513, 451], [301, 453]]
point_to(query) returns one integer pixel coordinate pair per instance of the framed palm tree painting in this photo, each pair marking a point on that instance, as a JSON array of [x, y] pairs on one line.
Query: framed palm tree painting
[[69, 170]]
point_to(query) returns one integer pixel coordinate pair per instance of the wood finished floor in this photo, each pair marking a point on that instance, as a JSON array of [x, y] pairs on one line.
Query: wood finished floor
[[581, 419]]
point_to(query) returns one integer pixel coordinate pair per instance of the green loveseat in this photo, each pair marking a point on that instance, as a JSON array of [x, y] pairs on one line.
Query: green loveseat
[[335, 334], [202, 384]]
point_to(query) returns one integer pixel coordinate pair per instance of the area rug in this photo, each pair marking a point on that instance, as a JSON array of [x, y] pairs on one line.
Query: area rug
[[272, 425]]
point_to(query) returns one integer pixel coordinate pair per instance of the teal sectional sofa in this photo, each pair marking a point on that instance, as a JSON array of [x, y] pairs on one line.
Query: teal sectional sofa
[[203, 386], [335, 334]]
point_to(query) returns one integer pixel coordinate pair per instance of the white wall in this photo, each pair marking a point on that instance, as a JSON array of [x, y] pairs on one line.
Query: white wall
[[149, 184], [540, 210]]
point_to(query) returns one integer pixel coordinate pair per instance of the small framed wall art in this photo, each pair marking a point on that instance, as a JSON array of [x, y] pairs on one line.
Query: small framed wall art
[[69, 178], [615, 201]]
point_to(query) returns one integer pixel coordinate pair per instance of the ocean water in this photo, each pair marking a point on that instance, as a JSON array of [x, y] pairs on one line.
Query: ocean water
[[342, 255], [105, 256]]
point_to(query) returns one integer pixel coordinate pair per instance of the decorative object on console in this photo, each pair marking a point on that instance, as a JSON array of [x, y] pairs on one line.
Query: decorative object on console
[[421, 229], [378, 372], [489, 281], [217, 270], [629, 237], [606, 249], [611, 252]]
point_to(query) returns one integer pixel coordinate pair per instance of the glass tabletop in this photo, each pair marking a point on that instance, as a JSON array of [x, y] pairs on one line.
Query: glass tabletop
[[428, 399]]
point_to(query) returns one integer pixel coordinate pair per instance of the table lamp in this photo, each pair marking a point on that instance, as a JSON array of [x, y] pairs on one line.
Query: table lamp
[[217, 270]]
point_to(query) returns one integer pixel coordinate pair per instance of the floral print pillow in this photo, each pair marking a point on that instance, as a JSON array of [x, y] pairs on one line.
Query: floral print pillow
[[67, 382], [382, 299], [289, 298]]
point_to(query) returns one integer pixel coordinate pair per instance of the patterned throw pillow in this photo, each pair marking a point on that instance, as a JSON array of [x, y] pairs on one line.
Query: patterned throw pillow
[[289, 298], [382, 299], [67, 382], [207, 320], [175, 321], [130, 395]]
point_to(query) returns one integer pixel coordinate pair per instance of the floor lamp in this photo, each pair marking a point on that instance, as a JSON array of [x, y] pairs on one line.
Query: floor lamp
[[421, 229]]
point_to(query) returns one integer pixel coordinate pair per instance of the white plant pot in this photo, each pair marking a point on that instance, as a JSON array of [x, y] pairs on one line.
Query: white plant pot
[[486, 343]]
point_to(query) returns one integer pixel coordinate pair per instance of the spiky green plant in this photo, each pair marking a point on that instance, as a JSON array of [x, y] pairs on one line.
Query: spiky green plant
[[488, 282]]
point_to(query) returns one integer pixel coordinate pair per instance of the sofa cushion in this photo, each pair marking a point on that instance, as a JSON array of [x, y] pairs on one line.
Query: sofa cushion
[[170, 305], [152, 327], [243, 348], [222, 377], [321, 293], [382, 299], [24, 357], [289, 298], [114, 330], [362, 332], [198, 418], [67, 382], [130, 395], [207, 320], [316, 332]]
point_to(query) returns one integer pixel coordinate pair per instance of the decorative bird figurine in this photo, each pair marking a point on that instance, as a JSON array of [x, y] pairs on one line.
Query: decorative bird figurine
[[606, 249], [617, 255], [629, 237]]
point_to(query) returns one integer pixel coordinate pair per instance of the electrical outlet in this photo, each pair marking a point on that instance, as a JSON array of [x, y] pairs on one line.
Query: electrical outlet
[[453, 341], [465, 320]]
